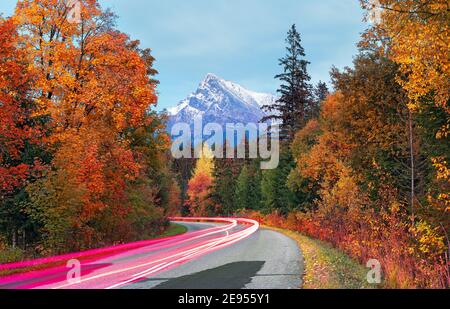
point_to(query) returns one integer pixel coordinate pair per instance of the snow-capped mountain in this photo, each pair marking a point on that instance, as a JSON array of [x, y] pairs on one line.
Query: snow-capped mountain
[[220, 101]]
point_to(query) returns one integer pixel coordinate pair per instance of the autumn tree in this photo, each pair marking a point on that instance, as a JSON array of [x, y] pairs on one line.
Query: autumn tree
[[417, 32], [414, 34], [14, 129], [95, 87], [151, 142], [376, 120], [306, 188], [356, 158], [201, 185], [22, 151]]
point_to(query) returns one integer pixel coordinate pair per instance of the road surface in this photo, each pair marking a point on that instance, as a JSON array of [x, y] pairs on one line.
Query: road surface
[[231, 254]]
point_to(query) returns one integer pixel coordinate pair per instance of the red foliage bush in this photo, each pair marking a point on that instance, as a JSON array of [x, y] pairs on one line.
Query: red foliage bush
[[383, 236]]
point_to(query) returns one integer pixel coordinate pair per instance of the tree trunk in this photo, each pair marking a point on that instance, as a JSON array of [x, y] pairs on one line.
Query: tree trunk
[[14, 238], [413, 172], [24, 242]]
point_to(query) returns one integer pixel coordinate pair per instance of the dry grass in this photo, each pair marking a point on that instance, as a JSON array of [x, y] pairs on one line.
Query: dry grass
[[327, 267]]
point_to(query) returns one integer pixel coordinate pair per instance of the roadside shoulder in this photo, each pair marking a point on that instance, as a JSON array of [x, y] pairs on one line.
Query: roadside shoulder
[[325, 266]]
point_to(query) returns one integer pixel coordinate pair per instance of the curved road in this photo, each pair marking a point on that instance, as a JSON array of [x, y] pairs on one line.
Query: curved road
[[225, 255]]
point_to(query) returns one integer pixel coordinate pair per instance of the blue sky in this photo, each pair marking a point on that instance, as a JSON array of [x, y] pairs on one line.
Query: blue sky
[[239, 40]]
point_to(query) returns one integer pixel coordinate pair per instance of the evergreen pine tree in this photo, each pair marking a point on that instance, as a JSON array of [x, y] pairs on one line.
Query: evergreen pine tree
[[274, 186], [321, 91], [248, 187], [295, 102], [224, 186], [255, 176], [242, 193], [320, 94]]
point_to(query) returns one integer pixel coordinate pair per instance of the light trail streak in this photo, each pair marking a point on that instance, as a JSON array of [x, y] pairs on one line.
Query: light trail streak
[[140, 260]]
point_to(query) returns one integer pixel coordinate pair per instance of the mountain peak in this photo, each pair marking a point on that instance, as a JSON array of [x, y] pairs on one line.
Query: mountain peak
[[211, 76], [221, 101], [211, 80]]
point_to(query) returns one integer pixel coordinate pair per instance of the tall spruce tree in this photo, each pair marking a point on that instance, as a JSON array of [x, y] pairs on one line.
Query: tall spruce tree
[[275, 193], [223, 190], [242, 193], [248, 187], [320, 93], [295, 104]]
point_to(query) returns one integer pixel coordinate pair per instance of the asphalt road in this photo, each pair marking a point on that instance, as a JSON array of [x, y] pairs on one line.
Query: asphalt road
[[265, 260], [234, 254]]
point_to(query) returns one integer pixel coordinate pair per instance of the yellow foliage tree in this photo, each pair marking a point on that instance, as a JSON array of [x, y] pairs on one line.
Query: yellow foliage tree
[[418, 32], [200, 185], [205, 164]]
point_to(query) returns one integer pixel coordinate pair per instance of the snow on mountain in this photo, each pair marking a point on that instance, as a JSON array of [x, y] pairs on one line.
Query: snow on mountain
[[220, 101]]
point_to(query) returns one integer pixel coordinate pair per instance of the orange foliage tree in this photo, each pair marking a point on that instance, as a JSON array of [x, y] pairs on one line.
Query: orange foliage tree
[[415, 35], [15, 127], [356, 154], [418, 33], [95, 87]]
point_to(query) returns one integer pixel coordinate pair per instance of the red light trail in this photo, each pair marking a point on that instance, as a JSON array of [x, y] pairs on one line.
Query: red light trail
[[119, 266]]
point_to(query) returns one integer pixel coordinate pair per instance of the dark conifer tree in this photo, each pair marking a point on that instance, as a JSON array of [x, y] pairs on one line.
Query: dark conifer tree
[[248, 187], [320, 94], [275, 193], [321, 91], [295, 91], [242, 193], [223, 190]]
